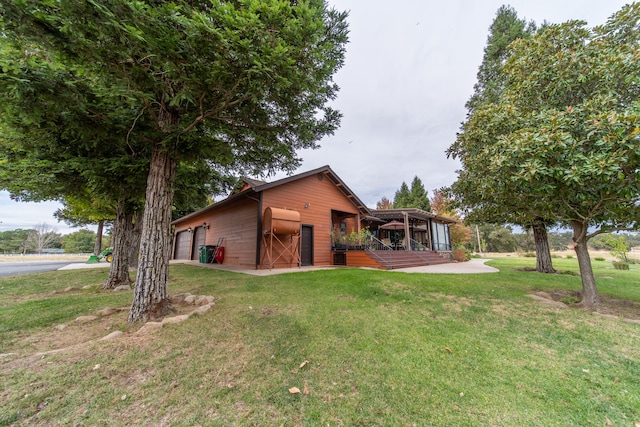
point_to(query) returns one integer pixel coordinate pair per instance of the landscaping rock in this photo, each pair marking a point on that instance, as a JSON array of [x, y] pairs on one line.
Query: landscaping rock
[[122, 288], [548, 302], [203, 309], [544, 295], [190, 299], [111, 336], [86, 318], [60, 327], [177, 298], [87, 287], [107, 311], [149, 327], [204, 300], [71, 289], [175, 319]]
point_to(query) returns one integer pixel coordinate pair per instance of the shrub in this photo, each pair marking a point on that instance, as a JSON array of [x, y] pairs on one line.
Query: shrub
[[620, 265], [460, 255], [599, 258]]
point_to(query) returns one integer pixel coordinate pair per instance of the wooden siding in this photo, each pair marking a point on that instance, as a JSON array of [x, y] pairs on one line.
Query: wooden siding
[[361, 259], [314, 199], [237, 224]]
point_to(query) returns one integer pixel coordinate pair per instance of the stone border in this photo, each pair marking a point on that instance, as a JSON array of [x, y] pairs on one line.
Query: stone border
[[204, 303]]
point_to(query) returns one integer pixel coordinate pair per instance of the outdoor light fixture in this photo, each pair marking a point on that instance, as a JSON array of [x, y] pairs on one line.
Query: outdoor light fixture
[[189, 230], [306, 205], [204, 224]]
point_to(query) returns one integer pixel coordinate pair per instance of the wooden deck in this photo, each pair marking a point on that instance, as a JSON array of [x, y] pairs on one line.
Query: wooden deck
[[390, 260]]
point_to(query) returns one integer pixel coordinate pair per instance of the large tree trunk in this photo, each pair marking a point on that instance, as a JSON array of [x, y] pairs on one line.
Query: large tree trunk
[[543, 253], [120, 242], [590, 296], [136, 232], [151, 297], [97, 246]]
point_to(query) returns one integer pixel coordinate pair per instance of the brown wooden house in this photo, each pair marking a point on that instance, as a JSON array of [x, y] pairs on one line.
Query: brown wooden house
[[287, 223]]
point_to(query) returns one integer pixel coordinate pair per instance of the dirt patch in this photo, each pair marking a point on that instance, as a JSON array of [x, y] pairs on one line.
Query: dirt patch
[[610, 306]]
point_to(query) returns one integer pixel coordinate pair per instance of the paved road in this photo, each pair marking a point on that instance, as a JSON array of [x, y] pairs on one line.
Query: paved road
[[28, 267]]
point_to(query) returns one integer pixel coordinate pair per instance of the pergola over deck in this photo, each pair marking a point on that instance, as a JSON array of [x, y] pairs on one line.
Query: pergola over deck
[[417, 223]]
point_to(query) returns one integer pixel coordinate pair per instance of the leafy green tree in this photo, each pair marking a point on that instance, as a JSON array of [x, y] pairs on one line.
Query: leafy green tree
[[13, 241], [567, 131], [470, 186], [240, 84], [619, 246], [80, 241], [497, 238]]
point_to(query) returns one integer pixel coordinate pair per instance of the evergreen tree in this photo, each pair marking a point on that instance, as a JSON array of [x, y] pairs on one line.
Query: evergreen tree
[[416, 197], [239, 84], [419, 197], [506, 28], [403, 197]]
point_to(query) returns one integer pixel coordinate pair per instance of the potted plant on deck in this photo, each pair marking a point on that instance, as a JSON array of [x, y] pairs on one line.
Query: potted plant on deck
[[338, 240]]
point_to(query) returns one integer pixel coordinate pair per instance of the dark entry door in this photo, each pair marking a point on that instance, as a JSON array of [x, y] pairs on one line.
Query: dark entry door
[[306, 245]]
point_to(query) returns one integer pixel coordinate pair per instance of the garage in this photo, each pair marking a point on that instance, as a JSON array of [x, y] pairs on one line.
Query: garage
[[183, 245]]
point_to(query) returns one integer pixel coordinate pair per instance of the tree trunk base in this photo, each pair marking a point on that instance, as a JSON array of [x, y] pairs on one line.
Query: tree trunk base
[[160, 310], [112, 284]]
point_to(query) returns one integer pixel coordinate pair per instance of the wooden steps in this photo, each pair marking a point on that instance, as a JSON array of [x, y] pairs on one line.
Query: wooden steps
[[391, 260]]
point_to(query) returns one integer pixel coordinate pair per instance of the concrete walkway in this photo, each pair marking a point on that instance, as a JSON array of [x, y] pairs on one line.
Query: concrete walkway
[[474, 266]]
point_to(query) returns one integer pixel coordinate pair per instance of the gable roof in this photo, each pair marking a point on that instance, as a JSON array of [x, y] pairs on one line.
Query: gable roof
[[254, 186]]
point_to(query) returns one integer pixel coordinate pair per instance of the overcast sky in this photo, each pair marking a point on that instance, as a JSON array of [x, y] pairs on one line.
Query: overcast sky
[[410, 68]]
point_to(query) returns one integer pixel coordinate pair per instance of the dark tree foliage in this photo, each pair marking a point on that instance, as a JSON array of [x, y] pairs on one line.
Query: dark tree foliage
[[240, 84]]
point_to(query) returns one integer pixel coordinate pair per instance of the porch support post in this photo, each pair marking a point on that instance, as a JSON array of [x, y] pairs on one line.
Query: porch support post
[[407, 237]]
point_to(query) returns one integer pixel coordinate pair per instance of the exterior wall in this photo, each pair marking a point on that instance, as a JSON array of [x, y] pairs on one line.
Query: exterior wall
[[314, 199], [237, 224]]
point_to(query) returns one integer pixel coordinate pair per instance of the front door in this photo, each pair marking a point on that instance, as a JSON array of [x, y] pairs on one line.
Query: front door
[[306, 245]]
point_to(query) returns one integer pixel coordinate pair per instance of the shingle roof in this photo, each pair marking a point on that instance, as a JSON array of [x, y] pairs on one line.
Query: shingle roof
[[257, 186]]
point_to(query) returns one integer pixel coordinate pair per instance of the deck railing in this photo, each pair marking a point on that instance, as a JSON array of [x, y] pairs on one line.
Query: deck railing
[[417, 246], [382, 250]]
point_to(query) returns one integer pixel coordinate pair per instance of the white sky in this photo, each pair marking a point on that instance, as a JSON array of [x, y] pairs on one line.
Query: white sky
[[410, 68]]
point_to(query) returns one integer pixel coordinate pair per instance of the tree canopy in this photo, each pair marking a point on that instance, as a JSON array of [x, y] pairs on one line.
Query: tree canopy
[[242, 85], [564, 137], [491, 81]]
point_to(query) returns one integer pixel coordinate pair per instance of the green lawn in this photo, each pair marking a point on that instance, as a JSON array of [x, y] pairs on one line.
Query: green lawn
[[364, 347]]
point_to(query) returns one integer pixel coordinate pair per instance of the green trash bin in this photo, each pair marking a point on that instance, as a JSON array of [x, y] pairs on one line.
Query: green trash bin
[[204, 254]]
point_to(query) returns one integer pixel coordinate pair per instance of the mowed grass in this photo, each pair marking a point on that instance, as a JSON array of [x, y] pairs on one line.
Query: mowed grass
[[363, 347]]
